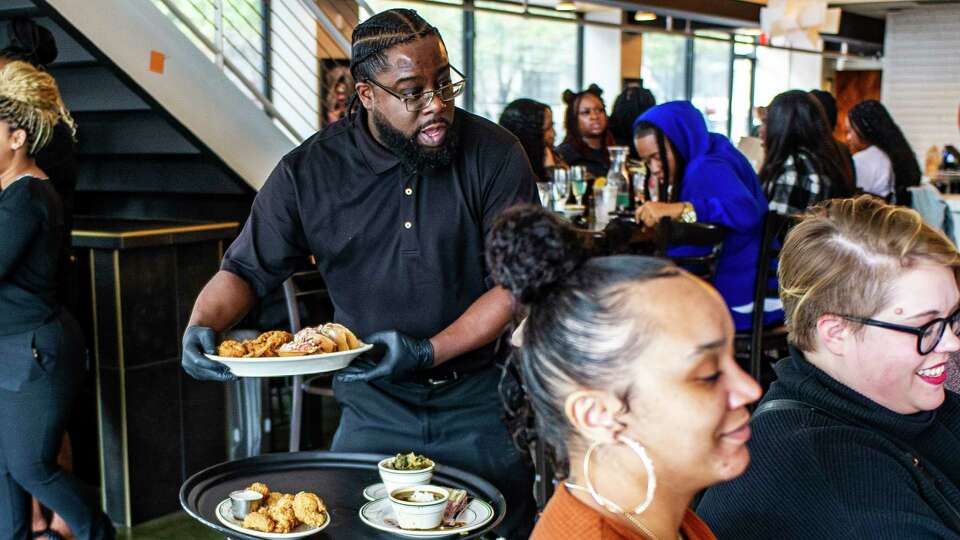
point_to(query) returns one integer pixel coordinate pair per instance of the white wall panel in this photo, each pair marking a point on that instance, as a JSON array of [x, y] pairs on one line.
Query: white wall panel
[[921, 75]]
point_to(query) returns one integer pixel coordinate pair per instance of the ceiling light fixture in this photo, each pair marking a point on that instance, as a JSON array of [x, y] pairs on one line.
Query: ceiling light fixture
[[566, 6], [644, 16]]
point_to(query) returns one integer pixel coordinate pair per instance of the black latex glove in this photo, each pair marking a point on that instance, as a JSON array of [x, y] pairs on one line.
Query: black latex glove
[[196, 341], [404, 355]]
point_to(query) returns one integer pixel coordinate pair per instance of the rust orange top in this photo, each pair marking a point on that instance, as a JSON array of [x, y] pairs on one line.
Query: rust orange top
[[566, 518]]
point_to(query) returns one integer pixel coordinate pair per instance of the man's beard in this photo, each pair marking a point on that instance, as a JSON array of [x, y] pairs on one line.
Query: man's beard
[[414, 156]]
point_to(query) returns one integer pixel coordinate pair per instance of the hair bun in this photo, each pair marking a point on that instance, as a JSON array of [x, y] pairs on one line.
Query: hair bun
[[569, 96], [595, 90], [530, 251]]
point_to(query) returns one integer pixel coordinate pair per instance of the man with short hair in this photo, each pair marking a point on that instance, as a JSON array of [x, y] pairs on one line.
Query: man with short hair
[[394, 202]]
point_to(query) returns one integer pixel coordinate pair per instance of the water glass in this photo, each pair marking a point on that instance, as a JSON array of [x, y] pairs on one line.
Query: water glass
[[544, 189], [560, 192]]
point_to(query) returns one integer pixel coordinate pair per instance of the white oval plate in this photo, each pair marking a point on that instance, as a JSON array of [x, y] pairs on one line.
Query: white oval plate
[[379, 515], [284, 366], [225, 516]]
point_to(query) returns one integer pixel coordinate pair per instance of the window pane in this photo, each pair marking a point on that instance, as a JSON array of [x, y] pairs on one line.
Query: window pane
[[449, 20], [523, 57], [663, 67], [742, 83], [711, 80]]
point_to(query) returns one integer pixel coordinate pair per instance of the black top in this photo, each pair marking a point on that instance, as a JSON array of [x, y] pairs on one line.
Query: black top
[[397, 250], [31, 244], [59, 161], [597, 161], [811, 476]]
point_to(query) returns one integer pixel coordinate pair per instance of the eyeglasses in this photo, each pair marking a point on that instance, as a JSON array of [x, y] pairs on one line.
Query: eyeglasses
[[928, 335], [421, 101]]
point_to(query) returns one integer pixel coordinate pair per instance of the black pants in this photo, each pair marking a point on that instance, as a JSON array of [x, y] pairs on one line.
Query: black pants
[[456, 423], [40, 373]]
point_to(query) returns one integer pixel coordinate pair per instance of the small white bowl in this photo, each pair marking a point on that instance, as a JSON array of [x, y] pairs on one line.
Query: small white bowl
[[393, 479], [419, 515]]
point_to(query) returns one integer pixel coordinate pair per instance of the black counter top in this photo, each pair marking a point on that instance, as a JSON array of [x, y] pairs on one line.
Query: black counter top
[[107, 233]]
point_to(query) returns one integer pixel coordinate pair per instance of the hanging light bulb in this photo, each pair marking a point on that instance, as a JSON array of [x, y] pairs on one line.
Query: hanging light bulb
[[644, 16], [566, 5]]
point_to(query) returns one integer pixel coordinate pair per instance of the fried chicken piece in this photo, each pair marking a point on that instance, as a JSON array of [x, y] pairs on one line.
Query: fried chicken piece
[[283, 515], [309, 509], [267, 343], [259, 522], [259, 488], [232, 349], [272, 498]]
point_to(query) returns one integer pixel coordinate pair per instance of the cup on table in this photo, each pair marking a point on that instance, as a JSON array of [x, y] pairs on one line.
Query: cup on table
[[419, 507], [244, 501], [561, 188], [545, 189], [394, 479]]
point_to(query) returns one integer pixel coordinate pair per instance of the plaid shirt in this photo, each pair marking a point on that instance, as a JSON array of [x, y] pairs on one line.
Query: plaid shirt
[[798, 186]]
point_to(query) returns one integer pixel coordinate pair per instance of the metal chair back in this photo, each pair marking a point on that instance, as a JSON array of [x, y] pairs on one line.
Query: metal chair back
[[670, 233]]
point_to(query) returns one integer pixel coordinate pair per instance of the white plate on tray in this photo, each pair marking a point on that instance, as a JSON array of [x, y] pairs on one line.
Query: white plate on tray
[[379, 515], [284, 366], [225, 516]]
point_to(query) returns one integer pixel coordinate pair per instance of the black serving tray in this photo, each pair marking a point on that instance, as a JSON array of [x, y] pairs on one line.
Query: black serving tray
[[338, 478]]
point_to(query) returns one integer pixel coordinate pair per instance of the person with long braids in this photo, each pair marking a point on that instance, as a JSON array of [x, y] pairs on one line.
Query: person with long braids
[[628, 366], [701, 177], [587, 131], [532, 123], [40, 342], [395, 201], [801, 166], [886, 166]]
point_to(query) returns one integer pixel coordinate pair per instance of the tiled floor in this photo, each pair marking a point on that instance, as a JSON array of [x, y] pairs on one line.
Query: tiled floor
[[177, 526]]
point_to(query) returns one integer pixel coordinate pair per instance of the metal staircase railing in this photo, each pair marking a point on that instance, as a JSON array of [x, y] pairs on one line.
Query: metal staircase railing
[[273, 49]]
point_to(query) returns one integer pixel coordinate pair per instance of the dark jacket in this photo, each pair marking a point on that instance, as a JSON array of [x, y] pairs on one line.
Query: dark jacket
[[816, 477], [597, 161]]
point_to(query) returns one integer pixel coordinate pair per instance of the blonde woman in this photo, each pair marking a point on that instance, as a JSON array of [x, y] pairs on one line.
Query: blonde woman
[[40, 342], [857, 438]]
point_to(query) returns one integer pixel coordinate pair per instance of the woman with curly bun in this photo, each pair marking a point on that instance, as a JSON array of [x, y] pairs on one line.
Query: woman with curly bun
[[629, 368], [40, 343]]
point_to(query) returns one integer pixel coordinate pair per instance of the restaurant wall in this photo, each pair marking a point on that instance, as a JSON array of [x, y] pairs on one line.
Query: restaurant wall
[[921, 78]]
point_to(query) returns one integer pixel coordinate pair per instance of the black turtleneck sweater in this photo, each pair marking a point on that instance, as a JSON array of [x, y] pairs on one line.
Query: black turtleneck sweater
[[813, 477]]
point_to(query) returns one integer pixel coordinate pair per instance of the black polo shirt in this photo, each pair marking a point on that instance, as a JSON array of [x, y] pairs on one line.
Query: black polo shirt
[[397, 250]]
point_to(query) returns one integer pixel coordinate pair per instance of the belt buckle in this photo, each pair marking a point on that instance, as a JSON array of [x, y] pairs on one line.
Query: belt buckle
[[452, 376]]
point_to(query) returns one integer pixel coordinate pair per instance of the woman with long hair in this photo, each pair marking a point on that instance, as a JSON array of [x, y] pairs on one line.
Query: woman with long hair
[[40, 342], [587, 131], [702, 178], [801, 165], [857, 438], [532, 123], [629, 369], [886, 165]]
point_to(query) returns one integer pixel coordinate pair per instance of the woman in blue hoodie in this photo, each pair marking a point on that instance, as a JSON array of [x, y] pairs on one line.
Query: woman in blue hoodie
[[702, 178]]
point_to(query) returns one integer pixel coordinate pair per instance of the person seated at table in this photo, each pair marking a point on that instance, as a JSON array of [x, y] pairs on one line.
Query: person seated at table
[[587, 131], [801, 166], [886, 165], [702, 178], [868, 446], [532, 123], [829, 104], [629, 368]]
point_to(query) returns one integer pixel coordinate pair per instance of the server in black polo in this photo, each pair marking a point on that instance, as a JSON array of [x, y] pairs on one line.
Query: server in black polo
[[395, 201]]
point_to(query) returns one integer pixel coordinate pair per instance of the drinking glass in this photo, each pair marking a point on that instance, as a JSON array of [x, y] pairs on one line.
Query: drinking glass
[[560, 191], [578, 182], [544, 189]]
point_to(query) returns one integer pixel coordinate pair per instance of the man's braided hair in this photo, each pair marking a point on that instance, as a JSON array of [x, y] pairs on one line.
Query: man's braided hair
[[372, 38]]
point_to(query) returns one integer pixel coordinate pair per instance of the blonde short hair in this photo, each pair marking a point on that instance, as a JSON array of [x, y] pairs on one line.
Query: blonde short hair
[[30, 100], [842, 257]]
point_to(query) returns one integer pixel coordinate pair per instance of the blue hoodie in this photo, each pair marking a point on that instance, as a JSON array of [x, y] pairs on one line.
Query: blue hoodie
[[724, 190]]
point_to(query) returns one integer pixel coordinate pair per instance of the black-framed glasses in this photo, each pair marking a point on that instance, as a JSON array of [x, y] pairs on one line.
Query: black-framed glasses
[[928, 335], [421, 101]]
